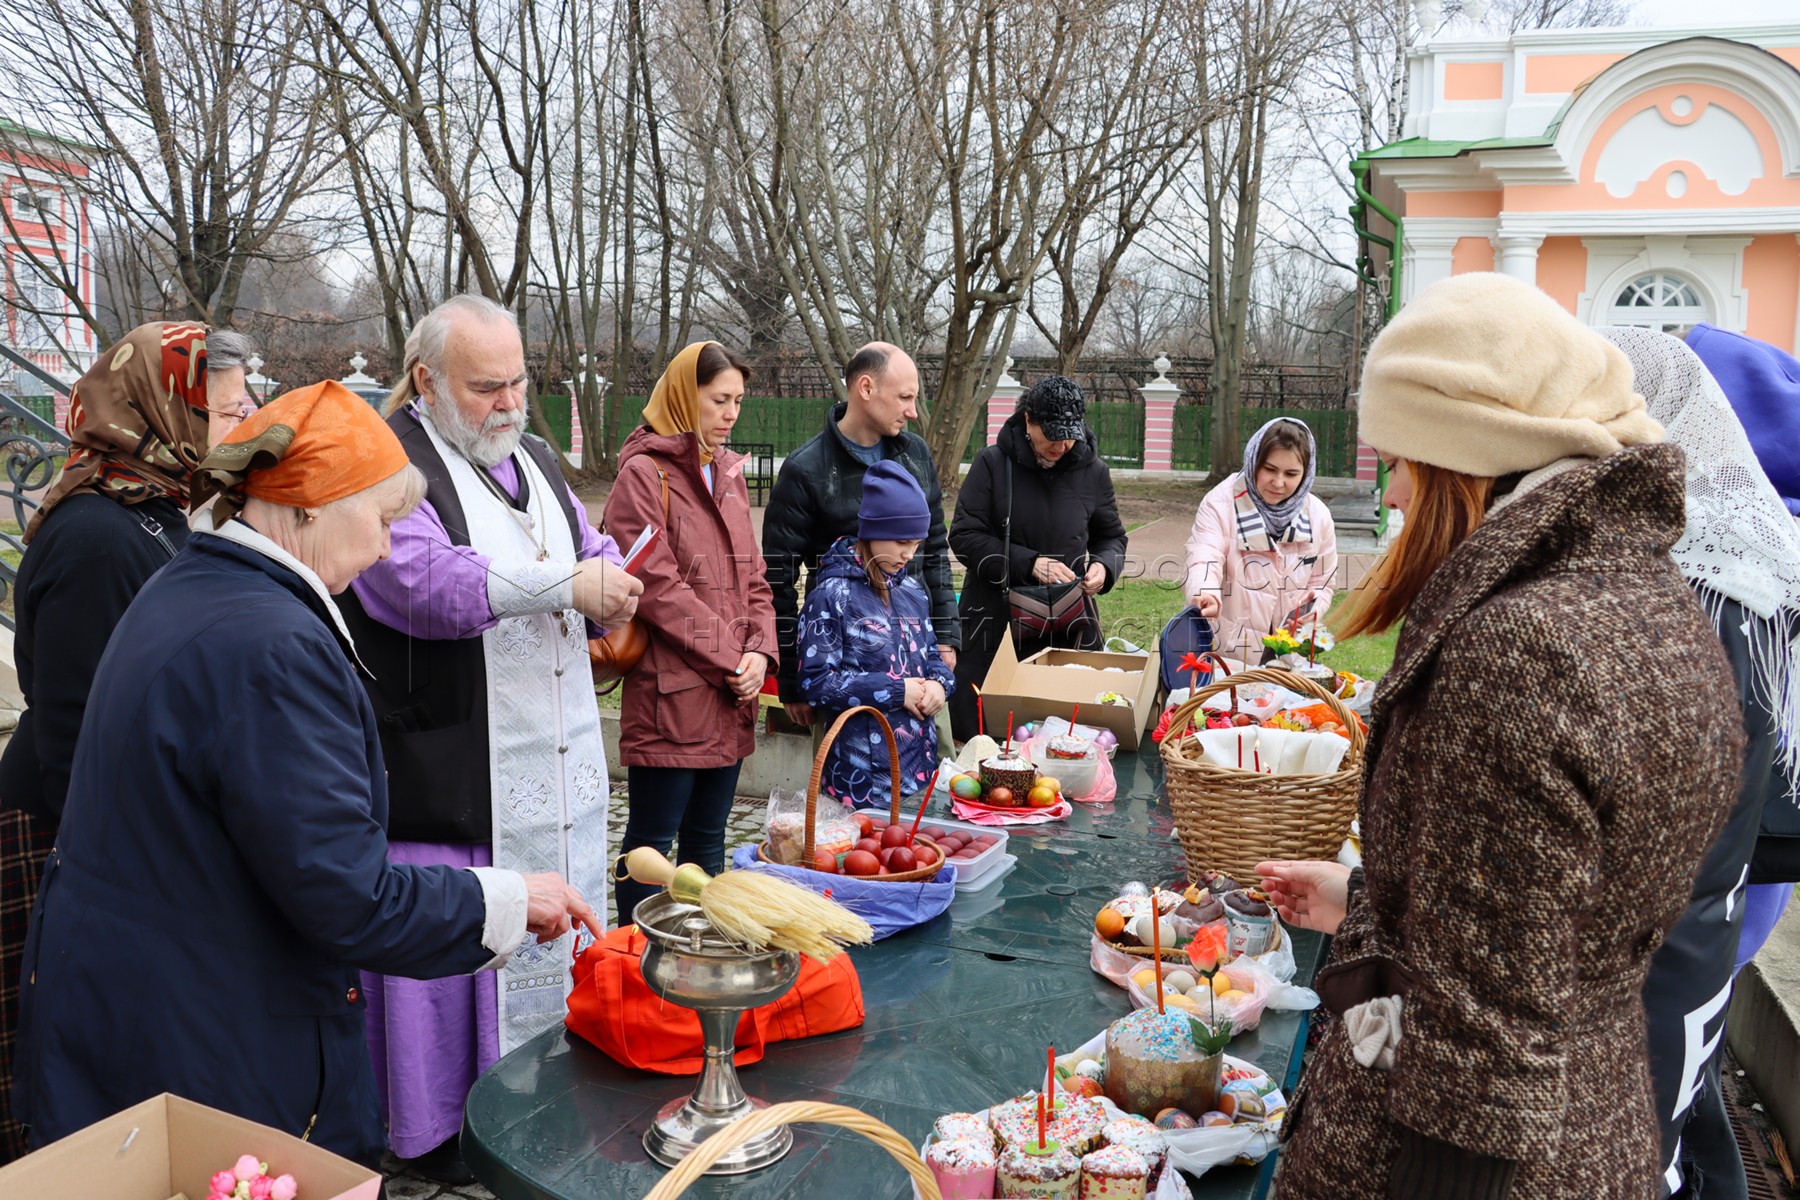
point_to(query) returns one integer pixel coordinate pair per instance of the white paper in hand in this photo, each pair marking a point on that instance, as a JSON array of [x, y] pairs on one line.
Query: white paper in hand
[[640, 549]]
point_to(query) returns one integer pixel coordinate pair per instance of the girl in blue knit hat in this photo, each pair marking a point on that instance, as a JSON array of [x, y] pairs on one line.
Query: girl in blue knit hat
[[865, 637]]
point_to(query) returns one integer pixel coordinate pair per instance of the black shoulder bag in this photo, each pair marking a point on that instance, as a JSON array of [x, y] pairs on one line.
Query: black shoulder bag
[[1059, 613]]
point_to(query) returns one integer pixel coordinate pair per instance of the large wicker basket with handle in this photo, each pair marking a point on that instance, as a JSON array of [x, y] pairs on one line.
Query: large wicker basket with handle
[[713, 1148], [763, 852], [1230, 819]]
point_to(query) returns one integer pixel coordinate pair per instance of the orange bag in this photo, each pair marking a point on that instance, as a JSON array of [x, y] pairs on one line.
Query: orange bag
[[612, 1007]]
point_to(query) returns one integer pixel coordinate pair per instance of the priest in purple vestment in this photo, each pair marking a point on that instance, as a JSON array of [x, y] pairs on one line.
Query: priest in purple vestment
[[474, 631]]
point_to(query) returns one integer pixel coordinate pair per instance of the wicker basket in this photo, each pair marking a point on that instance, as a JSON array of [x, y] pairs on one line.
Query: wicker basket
[[693, 1167], [1229, 819], [812, 802]]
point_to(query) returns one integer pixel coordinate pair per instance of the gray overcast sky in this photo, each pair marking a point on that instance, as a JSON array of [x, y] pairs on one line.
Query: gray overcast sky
[[1717, 12]]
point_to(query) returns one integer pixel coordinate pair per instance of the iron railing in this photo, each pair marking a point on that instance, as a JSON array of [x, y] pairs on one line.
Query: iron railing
[[32, 450]]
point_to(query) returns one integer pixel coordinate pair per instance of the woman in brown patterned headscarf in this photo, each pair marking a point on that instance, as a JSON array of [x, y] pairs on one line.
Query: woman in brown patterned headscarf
[[137, 420], [139, 423]]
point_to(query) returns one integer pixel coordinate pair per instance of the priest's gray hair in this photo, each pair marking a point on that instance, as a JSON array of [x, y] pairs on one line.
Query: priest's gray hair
[[425, 344]]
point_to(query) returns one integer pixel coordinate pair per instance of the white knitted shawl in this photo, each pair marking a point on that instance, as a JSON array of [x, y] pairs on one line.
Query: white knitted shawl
[[1740, 542]]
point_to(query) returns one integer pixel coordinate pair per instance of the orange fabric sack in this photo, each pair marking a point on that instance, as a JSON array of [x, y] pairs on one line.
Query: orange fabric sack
[[612, 1007]]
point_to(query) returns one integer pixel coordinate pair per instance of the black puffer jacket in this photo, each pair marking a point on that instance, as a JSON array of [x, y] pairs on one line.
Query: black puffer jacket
[[815, 502], [1067, 512]]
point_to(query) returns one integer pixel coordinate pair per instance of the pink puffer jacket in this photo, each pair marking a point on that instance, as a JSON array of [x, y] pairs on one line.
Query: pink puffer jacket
[[1256, 589]]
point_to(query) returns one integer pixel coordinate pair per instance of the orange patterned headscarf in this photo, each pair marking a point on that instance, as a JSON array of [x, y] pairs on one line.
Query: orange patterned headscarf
[[674, 406], [137, 420], [302, 449]]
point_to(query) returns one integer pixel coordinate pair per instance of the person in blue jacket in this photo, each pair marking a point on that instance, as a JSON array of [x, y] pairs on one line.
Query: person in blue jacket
[[866, 638], [221, 869]]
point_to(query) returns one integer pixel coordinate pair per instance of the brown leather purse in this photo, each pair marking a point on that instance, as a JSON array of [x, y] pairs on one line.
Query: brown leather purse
[[615, 655]]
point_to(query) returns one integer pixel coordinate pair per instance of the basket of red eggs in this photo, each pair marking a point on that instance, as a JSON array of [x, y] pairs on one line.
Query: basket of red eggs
[[895, 853]]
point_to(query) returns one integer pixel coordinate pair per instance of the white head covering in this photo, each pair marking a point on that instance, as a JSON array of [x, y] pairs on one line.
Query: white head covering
[[1740, 542]]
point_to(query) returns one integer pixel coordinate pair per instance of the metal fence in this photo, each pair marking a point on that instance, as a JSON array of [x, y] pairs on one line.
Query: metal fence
[[1104, 377], [32, 451], [788, 422], [1334, 429]]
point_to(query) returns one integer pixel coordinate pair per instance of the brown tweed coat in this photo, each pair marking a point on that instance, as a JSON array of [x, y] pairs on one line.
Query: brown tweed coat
[[1556, 744]]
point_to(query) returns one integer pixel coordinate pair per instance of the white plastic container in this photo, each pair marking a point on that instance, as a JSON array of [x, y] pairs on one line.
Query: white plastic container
[[971, 873]]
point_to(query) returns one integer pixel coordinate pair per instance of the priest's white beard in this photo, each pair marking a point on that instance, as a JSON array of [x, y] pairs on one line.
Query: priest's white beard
[[492, 443]]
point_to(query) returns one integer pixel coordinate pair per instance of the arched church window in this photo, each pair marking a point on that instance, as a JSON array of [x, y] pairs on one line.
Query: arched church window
[[1660, 300]]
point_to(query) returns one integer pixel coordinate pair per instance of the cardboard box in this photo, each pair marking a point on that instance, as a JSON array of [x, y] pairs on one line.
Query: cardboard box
[[171, 1147], [1047, 685]]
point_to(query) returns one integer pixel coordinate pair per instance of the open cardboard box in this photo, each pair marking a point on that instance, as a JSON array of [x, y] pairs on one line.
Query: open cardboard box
[[169, 1147], [1044, 685]]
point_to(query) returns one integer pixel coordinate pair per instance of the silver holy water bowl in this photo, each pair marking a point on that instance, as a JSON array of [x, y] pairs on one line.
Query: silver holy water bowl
[[688, 963]]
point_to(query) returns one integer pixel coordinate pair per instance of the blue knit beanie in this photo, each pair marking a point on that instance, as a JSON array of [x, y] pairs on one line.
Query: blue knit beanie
[[893, 505]]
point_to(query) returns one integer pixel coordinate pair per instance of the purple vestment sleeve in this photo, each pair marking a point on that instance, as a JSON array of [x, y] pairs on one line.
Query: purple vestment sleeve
[[429, 588]]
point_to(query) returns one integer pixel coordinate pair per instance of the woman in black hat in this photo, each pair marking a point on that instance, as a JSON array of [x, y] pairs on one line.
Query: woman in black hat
[[1038, 531]]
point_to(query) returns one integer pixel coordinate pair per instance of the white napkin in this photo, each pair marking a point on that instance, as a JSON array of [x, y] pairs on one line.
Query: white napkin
[[1281, 751]]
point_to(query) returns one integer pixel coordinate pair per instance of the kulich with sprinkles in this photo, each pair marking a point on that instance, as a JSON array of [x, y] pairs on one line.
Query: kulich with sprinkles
[[964, 1168], [1034, 1172], [1114, 1173]]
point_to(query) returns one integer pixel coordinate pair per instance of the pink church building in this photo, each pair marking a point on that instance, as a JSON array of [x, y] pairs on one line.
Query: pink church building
[[1640, 176]]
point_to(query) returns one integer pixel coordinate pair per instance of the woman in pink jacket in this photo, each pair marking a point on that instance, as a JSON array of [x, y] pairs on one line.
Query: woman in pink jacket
[[1263, 546]]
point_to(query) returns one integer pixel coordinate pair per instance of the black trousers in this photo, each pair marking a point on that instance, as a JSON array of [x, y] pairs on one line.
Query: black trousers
[[676, 802]]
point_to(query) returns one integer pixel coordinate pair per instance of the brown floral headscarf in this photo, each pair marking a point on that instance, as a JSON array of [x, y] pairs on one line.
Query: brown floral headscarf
[[137, 420]]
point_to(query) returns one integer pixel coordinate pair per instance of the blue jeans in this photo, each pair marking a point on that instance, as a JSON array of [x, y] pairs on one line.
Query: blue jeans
[[671, 802]]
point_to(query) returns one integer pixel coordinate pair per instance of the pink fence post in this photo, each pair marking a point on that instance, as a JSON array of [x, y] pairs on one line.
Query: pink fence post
[[1366, 462], [1004, 402], [575, 435], [1160, 395]]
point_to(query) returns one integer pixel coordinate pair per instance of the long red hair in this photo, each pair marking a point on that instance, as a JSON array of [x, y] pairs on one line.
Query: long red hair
[[1447, 506]]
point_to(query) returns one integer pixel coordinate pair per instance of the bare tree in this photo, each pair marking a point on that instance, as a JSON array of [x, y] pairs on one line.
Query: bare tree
[[210, 139], [1253, 50], [1130, 99]]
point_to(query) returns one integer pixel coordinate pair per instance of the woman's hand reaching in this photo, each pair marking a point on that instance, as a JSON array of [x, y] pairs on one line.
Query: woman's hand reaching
[[1050, 570], [554, 907], [1308, 895]]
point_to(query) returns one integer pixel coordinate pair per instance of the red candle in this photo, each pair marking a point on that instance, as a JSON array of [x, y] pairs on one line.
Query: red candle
[[924, 800], [1050, 1078], [1156, 948], [1240, 742], [1256, 752], [1009, 729], [980, 716], [1041, 1121]]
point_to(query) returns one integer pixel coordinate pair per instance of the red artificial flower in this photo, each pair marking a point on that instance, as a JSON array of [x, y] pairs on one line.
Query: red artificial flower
[[1193, 662], [1207, 950]]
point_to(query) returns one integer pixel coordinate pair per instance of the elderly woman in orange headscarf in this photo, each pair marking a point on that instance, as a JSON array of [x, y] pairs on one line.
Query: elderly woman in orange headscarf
[[689, 714], [222, 849]]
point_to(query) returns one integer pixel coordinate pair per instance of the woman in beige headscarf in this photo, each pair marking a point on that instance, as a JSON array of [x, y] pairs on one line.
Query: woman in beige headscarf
[[690, 706]]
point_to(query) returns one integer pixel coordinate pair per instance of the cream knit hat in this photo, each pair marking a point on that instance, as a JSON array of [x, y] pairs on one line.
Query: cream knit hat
[[1486, 375]]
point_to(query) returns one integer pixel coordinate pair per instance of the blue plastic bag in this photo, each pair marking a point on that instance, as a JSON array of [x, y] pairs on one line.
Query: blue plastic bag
[[887, 907]]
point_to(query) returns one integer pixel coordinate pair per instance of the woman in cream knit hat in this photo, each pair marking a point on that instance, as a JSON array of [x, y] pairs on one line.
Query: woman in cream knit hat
[[1554, 747]]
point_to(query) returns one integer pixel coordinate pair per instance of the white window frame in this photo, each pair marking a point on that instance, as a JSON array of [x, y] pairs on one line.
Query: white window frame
[[1660, 286]]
